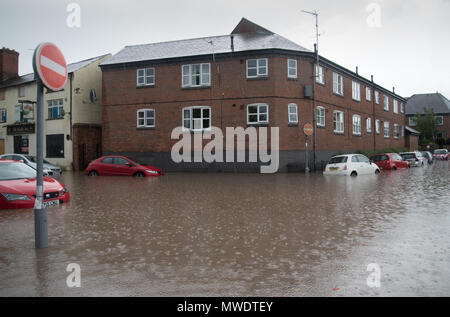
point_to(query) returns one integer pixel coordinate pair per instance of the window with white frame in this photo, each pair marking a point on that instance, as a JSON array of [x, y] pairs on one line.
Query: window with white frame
[[320, 74], [356, 124], [369, 125], [293, 113], [338, 84], [146, 118], [258, 113], [321, 116], [396, 131], [356, 91], [146, 77], [403, 130], [439, 120], [55, 109], [412, 121], [395, 106], [386, 130], [2, 115], [197, 118], [196, 75], [292, 68], [338, 122], [402, 107], [257, 68], [368, 94], [386, 103], [377, 127], [22, 91], [377, 97]]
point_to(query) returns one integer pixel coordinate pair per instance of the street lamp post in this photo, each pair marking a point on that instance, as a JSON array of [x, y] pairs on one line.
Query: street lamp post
[[315, 75]]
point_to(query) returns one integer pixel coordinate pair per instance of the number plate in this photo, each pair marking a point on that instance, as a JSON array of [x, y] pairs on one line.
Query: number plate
[[332, 169], [51, 203]]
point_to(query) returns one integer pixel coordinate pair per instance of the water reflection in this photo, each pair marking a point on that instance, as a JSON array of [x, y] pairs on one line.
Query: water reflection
[[225, 234]]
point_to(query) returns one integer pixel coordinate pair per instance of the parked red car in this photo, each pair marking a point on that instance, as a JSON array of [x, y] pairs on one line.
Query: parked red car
[[18, 187], [120, 166], [389, 161], [441, 154]]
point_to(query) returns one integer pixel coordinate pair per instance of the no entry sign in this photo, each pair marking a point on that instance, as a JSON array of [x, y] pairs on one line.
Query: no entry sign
[[308, 129], [50, 65]]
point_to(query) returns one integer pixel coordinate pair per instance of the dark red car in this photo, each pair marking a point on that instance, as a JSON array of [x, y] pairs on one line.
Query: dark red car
[[389, 161], [120, 166], [18, 187]]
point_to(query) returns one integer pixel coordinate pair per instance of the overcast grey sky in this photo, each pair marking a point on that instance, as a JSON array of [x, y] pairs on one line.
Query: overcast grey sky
[[409, 49]]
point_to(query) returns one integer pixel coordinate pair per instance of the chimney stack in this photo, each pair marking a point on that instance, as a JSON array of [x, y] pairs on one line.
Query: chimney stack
[[9, 64], [232, 42], [393, 90], [357, 70]]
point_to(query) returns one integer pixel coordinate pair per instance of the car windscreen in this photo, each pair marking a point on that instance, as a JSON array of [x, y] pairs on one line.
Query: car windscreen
[[410, 156], [338, 159], [440, 152], [13, 170], [31, 159]]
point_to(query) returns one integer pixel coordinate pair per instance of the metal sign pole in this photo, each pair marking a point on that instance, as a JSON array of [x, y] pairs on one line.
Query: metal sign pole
[[306, 156], [40, 214]]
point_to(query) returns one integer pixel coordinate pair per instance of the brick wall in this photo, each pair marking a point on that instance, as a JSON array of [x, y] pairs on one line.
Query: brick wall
[[228, 97]]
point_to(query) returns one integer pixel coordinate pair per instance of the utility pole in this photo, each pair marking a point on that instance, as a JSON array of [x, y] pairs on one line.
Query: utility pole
[[315, 75]]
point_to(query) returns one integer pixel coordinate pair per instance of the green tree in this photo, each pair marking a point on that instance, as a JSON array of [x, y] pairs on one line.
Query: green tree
[[427, 125]]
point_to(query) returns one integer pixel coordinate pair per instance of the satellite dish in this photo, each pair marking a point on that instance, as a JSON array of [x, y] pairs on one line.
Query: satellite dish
[[93, 96]]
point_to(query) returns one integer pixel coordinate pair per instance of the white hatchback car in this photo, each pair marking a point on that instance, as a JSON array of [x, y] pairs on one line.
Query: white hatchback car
[[351, 165]]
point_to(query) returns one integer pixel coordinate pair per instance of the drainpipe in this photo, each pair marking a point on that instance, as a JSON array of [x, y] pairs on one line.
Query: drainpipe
[[70, 129], [374, 130]]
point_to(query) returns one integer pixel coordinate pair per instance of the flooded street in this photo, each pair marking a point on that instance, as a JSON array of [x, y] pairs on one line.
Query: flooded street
[[237, 235]]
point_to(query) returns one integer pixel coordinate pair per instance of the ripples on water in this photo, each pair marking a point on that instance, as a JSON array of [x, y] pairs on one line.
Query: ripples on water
[[229, 234]]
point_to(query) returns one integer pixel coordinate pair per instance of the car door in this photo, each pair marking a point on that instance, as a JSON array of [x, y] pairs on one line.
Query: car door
[[106, 166], [364, 165], [123, 167]]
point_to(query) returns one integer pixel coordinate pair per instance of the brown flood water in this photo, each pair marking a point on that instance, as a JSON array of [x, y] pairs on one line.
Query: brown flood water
[[237, 235]]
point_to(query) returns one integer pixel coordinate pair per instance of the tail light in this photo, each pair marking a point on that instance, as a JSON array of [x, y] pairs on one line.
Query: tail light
[[345, 167]]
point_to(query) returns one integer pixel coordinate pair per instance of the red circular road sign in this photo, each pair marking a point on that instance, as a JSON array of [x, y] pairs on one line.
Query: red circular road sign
[[308, 129], [50, 65]]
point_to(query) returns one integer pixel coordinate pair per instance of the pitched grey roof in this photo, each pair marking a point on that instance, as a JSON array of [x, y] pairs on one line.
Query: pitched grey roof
[[437, 102], [28, 78], [203, 46]]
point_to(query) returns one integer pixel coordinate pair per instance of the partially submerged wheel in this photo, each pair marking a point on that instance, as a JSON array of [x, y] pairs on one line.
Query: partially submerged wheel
[[139, 175], [93, 173], [377, 172], [354, 174]]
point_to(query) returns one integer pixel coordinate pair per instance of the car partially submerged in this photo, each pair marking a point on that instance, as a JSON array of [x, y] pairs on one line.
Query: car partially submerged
[[351, 165], [18, 187], [49, 168], [441, 154], [414, 158], [120, 166], [389, 161]]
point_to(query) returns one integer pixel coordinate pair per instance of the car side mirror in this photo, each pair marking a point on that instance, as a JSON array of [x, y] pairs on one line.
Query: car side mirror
[[128, 164]]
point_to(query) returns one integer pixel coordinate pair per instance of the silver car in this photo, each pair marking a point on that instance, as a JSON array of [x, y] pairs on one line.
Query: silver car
[[415, 158], [49, 168]]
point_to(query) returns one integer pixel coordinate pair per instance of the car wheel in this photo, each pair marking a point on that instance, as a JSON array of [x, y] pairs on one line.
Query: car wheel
[[395, 168], [93, 173], [139, 174], [354, 174], [377, 172]]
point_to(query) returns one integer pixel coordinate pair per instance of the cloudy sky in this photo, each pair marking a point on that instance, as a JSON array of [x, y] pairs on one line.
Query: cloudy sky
[[402, 43]]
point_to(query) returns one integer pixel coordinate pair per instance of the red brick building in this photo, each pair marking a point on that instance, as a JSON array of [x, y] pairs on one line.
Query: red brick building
[[252, 77]]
